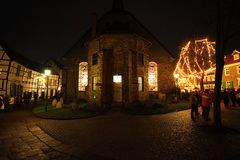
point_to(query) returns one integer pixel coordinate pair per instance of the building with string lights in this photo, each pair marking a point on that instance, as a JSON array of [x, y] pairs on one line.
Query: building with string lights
[[196, 58], [231, 73], [118, 60]]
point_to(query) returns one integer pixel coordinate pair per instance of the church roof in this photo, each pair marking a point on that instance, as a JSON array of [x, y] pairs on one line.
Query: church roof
[[118, 21]]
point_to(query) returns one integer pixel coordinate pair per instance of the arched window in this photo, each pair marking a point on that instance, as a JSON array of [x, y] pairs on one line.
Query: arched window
[[83, 76], [152, 76]]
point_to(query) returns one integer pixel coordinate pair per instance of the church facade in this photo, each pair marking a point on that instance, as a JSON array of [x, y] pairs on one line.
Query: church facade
[[118, 60]]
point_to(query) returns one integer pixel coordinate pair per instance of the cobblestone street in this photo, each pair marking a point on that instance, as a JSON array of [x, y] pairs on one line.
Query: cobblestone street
[[119, 136]]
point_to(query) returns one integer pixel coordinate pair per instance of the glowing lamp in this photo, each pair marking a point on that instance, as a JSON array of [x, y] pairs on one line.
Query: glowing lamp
[[47, 72], [117, 79]]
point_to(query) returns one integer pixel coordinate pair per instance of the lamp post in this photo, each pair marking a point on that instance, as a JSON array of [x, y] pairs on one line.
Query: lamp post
[[47, 73]]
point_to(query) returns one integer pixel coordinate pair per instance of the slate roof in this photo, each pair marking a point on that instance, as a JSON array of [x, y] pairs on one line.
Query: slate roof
[[17, 57]]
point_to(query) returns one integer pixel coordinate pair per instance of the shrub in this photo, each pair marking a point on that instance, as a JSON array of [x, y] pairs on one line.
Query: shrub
[[54, 103], [59, 104]]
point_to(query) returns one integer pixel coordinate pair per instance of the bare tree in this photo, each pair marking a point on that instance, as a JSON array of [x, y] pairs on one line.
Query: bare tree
[[225, 13]]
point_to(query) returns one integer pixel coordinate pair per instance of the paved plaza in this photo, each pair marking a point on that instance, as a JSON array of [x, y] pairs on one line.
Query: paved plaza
[[116, 136]]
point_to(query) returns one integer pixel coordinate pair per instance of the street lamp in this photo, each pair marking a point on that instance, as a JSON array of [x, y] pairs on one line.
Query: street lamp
[[47, 73], [176, 77]]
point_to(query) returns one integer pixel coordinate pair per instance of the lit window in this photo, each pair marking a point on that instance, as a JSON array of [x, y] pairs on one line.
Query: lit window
[[140, 84], [94, 59], [236, 57], [238, 69], [229, 85], [83, 76], [227, 71], [152, 76], [0, 70], [94, 83]]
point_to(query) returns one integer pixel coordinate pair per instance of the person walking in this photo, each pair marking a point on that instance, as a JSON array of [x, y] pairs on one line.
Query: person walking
[[194, 105], [233, 97], [206, 104], [225, 98], [1, 103]]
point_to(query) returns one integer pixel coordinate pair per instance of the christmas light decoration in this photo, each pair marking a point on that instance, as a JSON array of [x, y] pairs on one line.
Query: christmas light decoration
[[196, 57]]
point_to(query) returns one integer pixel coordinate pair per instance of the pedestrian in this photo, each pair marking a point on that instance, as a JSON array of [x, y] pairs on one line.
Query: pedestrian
[[233, 97], [238, 97], [225, 97], [11, 103], [194, 105], [206, 104], [1, 104]]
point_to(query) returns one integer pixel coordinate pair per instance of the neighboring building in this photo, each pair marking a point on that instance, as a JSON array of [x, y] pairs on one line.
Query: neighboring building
[[117, 60], [19, 75], [55, 82], [231, 73]]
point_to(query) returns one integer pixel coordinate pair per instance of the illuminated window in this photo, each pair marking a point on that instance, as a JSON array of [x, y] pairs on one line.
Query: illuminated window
[[0, 70], [94, 59], [83, 76], [229, 85], [152, 76], [238, 69], [227, 71], [94, 83], [236, 56], [140, 84]]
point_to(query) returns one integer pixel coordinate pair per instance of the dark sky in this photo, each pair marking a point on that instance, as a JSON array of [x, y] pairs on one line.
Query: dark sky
[[41, 30]]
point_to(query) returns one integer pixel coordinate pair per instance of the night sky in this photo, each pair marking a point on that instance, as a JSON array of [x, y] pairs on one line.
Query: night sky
[[41, 30]]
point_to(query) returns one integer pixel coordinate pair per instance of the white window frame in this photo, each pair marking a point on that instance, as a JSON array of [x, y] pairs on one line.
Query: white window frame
[[238, 69], [227, 84], [236, 57], [227, 74]]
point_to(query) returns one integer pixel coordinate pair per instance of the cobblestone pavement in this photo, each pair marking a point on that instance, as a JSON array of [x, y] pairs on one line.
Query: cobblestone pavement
[[118, 136]]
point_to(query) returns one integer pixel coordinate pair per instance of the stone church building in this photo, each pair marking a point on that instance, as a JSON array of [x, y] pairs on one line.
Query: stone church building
[[117, 60]]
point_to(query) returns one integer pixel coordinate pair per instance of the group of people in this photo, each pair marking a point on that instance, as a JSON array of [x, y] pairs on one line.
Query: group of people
[[203, 99], [230, 98], [9, 103]]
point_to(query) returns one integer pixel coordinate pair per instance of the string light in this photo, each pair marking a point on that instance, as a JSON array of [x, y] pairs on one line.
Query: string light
[[195, 58]]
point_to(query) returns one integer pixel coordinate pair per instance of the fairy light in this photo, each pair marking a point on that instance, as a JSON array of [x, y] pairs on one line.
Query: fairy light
[[196, 57]]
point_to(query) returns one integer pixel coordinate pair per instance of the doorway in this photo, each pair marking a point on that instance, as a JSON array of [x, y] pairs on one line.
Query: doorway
[[117, 88]]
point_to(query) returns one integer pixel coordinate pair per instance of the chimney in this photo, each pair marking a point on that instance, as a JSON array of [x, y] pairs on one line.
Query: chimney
[[94, 25]]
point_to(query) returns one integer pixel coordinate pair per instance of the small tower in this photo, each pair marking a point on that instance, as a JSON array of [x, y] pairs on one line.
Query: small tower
[[117, 5]]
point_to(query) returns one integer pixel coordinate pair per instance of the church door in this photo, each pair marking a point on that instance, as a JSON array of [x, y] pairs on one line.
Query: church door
[[117, 88]]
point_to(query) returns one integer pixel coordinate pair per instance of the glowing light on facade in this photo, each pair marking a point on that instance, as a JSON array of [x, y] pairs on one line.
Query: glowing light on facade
[[152, 76], [117, 78], [83, 76], [196, 57]]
